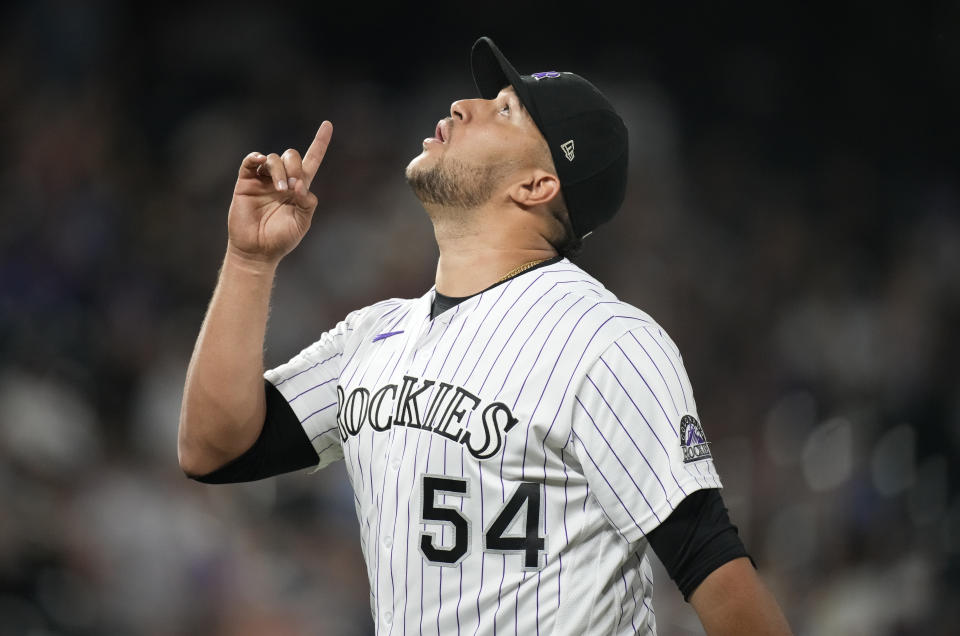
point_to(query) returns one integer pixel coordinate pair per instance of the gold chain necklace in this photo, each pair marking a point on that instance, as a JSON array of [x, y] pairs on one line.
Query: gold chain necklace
[[520, 269]]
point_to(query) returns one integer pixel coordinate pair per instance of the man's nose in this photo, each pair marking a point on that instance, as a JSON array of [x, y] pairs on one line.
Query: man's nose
[[462, 109]]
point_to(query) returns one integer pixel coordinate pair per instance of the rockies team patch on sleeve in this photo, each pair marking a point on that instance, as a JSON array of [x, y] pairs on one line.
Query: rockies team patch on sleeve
[[693, 442]]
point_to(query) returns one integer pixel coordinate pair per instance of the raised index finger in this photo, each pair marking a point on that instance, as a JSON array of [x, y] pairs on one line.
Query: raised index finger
[[316, 151]]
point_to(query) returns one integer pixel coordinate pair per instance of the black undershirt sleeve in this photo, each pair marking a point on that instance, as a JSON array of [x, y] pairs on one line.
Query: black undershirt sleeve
[[696, 539], [282, 447]]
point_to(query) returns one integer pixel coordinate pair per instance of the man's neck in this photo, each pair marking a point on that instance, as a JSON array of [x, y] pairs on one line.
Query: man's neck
[[472, 262], [465, 273], [481, 247]]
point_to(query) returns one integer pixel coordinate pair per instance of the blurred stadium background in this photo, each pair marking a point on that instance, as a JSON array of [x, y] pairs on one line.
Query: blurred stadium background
[[793, 220]]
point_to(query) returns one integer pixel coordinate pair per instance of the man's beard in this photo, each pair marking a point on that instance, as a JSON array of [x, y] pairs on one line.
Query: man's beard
[[455, 184]]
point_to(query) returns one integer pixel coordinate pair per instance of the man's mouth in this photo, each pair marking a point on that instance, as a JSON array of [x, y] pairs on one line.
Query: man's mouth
[[440, 134]]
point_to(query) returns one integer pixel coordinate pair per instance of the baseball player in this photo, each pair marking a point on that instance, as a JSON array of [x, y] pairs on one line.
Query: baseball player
[[517, 437]]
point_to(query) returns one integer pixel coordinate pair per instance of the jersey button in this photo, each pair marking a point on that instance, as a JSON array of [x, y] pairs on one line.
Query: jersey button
[[387, 542], [395, 464], [387, 617]]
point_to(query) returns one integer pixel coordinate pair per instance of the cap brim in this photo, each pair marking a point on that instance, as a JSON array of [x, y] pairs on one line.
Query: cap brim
[[492, 72]]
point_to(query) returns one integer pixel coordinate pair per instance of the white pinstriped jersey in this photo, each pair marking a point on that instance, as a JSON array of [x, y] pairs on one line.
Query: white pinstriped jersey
[[509, 456]]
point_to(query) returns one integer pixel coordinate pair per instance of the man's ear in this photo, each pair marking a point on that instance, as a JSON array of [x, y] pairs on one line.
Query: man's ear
[[538, 187]]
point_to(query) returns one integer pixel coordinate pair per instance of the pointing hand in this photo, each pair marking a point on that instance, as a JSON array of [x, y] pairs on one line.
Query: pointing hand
[[272, 205]]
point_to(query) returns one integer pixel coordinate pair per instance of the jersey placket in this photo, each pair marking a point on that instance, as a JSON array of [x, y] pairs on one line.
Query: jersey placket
[[398, 461]]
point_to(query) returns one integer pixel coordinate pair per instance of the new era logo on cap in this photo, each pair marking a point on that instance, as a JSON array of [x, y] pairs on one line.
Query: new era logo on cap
[[565, 106], [567, 146]]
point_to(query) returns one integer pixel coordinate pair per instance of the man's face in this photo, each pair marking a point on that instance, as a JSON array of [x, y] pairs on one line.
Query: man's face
[[474, 151]]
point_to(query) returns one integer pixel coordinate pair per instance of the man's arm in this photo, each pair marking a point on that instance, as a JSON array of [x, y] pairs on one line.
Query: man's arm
[[733, 600], [702, 552], [224, 402]]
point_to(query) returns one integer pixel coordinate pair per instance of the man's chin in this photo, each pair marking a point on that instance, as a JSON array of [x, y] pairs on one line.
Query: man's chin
[[418, 173], [440, 181], [418, 164], [415, 175]]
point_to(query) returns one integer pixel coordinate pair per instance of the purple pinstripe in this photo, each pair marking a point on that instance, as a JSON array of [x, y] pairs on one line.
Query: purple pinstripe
[[609, 485], [559, 406], [506, 377], [514, 330], [349, 380], [630, 437], [572, 375], [397, 492], [323, 432], [317, 411], [657, 367], [316, 386], [503, 494], [523, 463], [377, 543], [644, 598], [633, 595], [483, 556], [626, 471], [376, 595], [683, 391], [623, 577], [453, 379], [460, 595], [327, 447], [348, 383], [487, 377], [315, 364], [664, 411], [640, 412]]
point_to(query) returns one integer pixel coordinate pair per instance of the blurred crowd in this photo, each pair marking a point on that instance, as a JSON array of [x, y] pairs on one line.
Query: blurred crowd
[[802, 249]]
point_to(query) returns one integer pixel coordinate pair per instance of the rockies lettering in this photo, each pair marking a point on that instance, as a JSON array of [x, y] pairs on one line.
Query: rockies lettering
[[444, 410]]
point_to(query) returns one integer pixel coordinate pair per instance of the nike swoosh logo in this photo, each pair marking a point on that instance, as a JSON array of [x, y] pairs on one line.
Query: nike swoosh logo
[[383, 336]]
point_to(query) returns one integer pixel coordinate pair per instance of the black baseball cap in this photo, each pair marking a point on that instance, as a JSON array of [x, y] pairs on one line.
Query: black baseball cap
[[586, 136]]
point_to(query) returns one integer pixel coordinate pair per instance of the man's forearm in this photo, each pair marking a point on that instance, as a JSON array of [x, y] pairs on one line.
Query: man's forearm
[[733, 600], [223, 400]]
